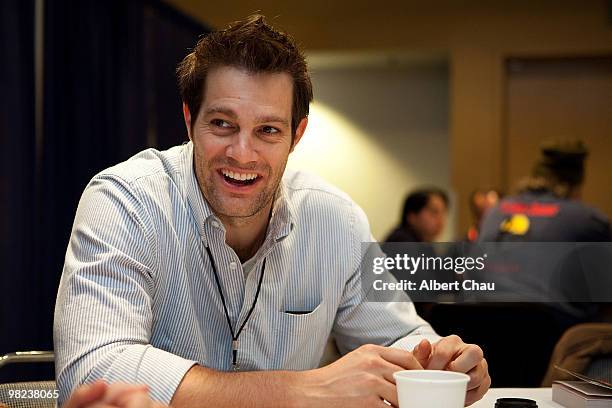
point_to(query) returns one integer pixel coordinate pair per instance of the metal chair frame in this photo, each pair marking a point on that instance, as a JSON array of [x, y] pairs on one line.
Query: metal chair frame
[[44, 394]]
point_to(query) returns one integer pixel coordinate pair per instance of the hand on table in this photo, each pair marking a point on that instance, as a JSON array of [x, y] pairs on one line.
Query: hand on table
[[452, 354], [362, 378], [118, 395]]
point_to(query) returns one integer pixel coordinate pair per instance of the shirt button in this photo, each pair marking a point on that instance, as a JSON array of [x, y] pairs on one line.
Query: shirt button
[[215, 224], [233, 266]]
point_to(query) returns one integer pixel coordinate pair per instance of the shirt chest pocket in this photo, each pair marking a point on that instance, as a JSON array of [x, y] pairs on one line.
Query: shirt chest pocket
[[301, 336]]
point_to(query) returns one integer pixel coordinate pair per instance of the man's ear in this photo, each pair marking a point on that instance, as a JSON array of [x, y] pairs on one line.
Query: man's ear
[[187, 117], [299, 132]]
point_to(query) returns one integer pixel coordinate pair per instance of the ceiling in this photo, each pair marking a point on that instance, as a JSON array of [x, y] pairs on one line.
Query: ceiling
[[363, 24]]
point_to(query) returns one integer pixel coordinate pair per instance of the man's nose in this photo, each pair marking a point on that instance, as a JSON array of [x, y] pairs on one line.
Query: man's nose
[[241, 148]]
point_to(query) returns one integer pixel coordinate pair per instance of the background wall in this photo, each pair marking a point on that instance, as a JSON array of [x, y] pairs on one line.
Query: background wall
[[560, 97], [378, 128]]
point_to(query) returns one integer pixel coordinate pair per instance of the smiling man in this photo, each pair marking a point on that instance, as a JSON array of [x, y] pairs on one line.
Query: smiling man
[[215, 277]]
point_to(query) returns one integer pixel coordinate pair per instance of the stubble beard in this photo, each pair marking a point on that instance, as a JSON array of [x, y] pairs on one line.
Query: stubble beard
[[220, 202]]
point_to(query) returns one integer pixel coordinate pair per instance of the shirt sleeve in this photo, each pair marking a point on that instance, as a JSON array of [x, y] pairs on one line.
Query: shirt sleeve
[[103, 314], [361, 321]]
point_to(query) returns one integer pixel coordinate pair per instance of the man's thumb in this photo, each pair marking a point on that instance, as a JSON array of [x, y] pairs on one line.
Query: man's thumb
[[422, 352]]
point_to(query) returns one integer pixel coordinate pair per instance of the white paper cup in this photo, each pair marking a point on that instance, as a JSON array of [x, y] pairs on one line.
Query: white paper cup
[[431, 388]]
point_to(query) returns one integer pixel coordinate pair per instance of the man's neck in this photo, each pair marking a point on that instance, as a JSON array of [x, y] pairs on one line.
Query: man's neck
[[245, 235]]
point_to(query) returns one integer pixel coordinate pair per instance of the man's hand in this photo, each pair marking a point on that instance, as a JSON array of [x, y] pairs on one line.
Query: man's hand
[[452, 354], [362, 378], [102, 395]]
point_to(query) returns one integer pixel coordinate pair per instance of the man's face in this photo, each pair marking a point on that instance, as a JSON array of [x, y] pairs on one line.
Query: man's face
[[431, 220], [242, 139]]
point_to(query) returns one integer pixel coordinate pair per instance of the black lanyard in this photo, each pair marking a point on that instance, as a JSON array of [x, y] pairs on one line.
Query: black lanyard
[[229, 323]]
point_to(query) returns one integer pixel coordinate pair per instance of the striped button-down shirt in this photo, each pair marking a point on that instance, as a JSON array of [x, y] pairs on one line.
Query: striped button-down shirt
[[138, 300]]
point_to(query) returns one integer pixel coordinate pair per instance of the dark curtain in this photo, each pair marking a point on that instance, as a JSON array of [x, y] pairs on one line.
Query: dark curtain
[[17, 187], [109, 92], [169, 37]]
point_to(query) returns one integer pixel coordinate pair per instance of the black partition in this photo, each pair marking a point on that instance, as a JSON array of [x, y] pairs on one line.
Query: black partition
[[517, 338], [109, 91]]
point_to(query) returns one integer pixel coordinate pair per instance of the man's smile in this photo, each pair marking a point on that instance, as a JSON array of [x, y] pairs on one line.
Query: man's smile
[[244, 180]]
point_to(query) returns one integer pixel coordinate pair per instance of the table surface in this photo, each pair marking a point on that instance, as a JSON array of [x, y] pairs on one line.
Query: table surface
[[543, 396]]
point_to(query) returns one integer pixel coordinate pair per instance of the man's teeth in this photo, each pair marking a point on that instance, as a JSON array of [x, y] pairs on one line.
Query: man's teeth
[[239, 176]]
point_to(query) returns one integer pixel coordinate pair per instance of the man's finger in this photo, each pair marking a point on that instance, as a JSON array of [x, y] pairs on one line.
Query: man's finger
[[402, 358], [117, 392], [469, 357], [388, 392], [477, 375], [444, 352], [476, 394], [136, 400], [422, 352], [388, 371], [86, 394]]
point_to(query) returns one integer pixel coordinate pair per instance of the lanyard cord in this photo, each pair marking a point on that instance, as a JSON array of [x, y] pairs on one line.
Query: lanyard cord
[[229, 323]]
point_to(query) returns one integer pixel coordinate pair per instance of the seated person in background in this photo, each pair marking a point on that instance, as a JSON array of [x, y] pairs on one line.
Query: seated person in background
[[481, 200], [423, 216], [423, 219], [209, 257], [548, 207]]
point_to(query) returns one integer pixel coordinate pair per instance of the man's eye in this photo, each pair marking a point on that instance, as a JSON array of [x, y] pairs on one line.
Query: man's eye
[[220, 123], [269, 129]]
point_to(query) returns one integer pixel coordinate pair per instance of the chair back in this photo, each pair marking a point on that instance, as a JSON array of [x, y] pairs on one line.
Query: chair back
[[31, 394]]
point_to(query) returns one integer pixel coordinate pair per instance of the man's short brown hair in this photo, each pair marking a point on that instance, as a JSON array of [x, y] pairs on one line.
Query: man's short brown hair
[[251, 44]]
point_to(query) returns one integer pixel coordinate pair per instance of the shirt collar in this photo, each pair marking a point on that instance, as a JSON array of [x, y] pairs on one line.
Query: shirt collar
[[281, 221], [200, 209]]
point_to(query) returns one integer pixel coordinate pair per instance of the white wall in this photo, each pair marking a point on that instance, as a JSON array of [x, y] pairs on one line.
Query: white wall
[[378, 130]]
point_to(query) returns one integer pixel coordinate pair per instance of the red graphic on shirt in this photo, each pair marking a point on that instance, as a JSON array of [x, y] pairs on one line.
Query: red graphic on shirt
[[531, 209]]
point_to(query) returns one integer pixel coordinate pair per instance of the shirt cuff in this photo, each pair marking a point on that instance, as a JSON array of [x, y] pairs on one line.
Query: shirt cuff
[[144, 364], [409, 342]]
